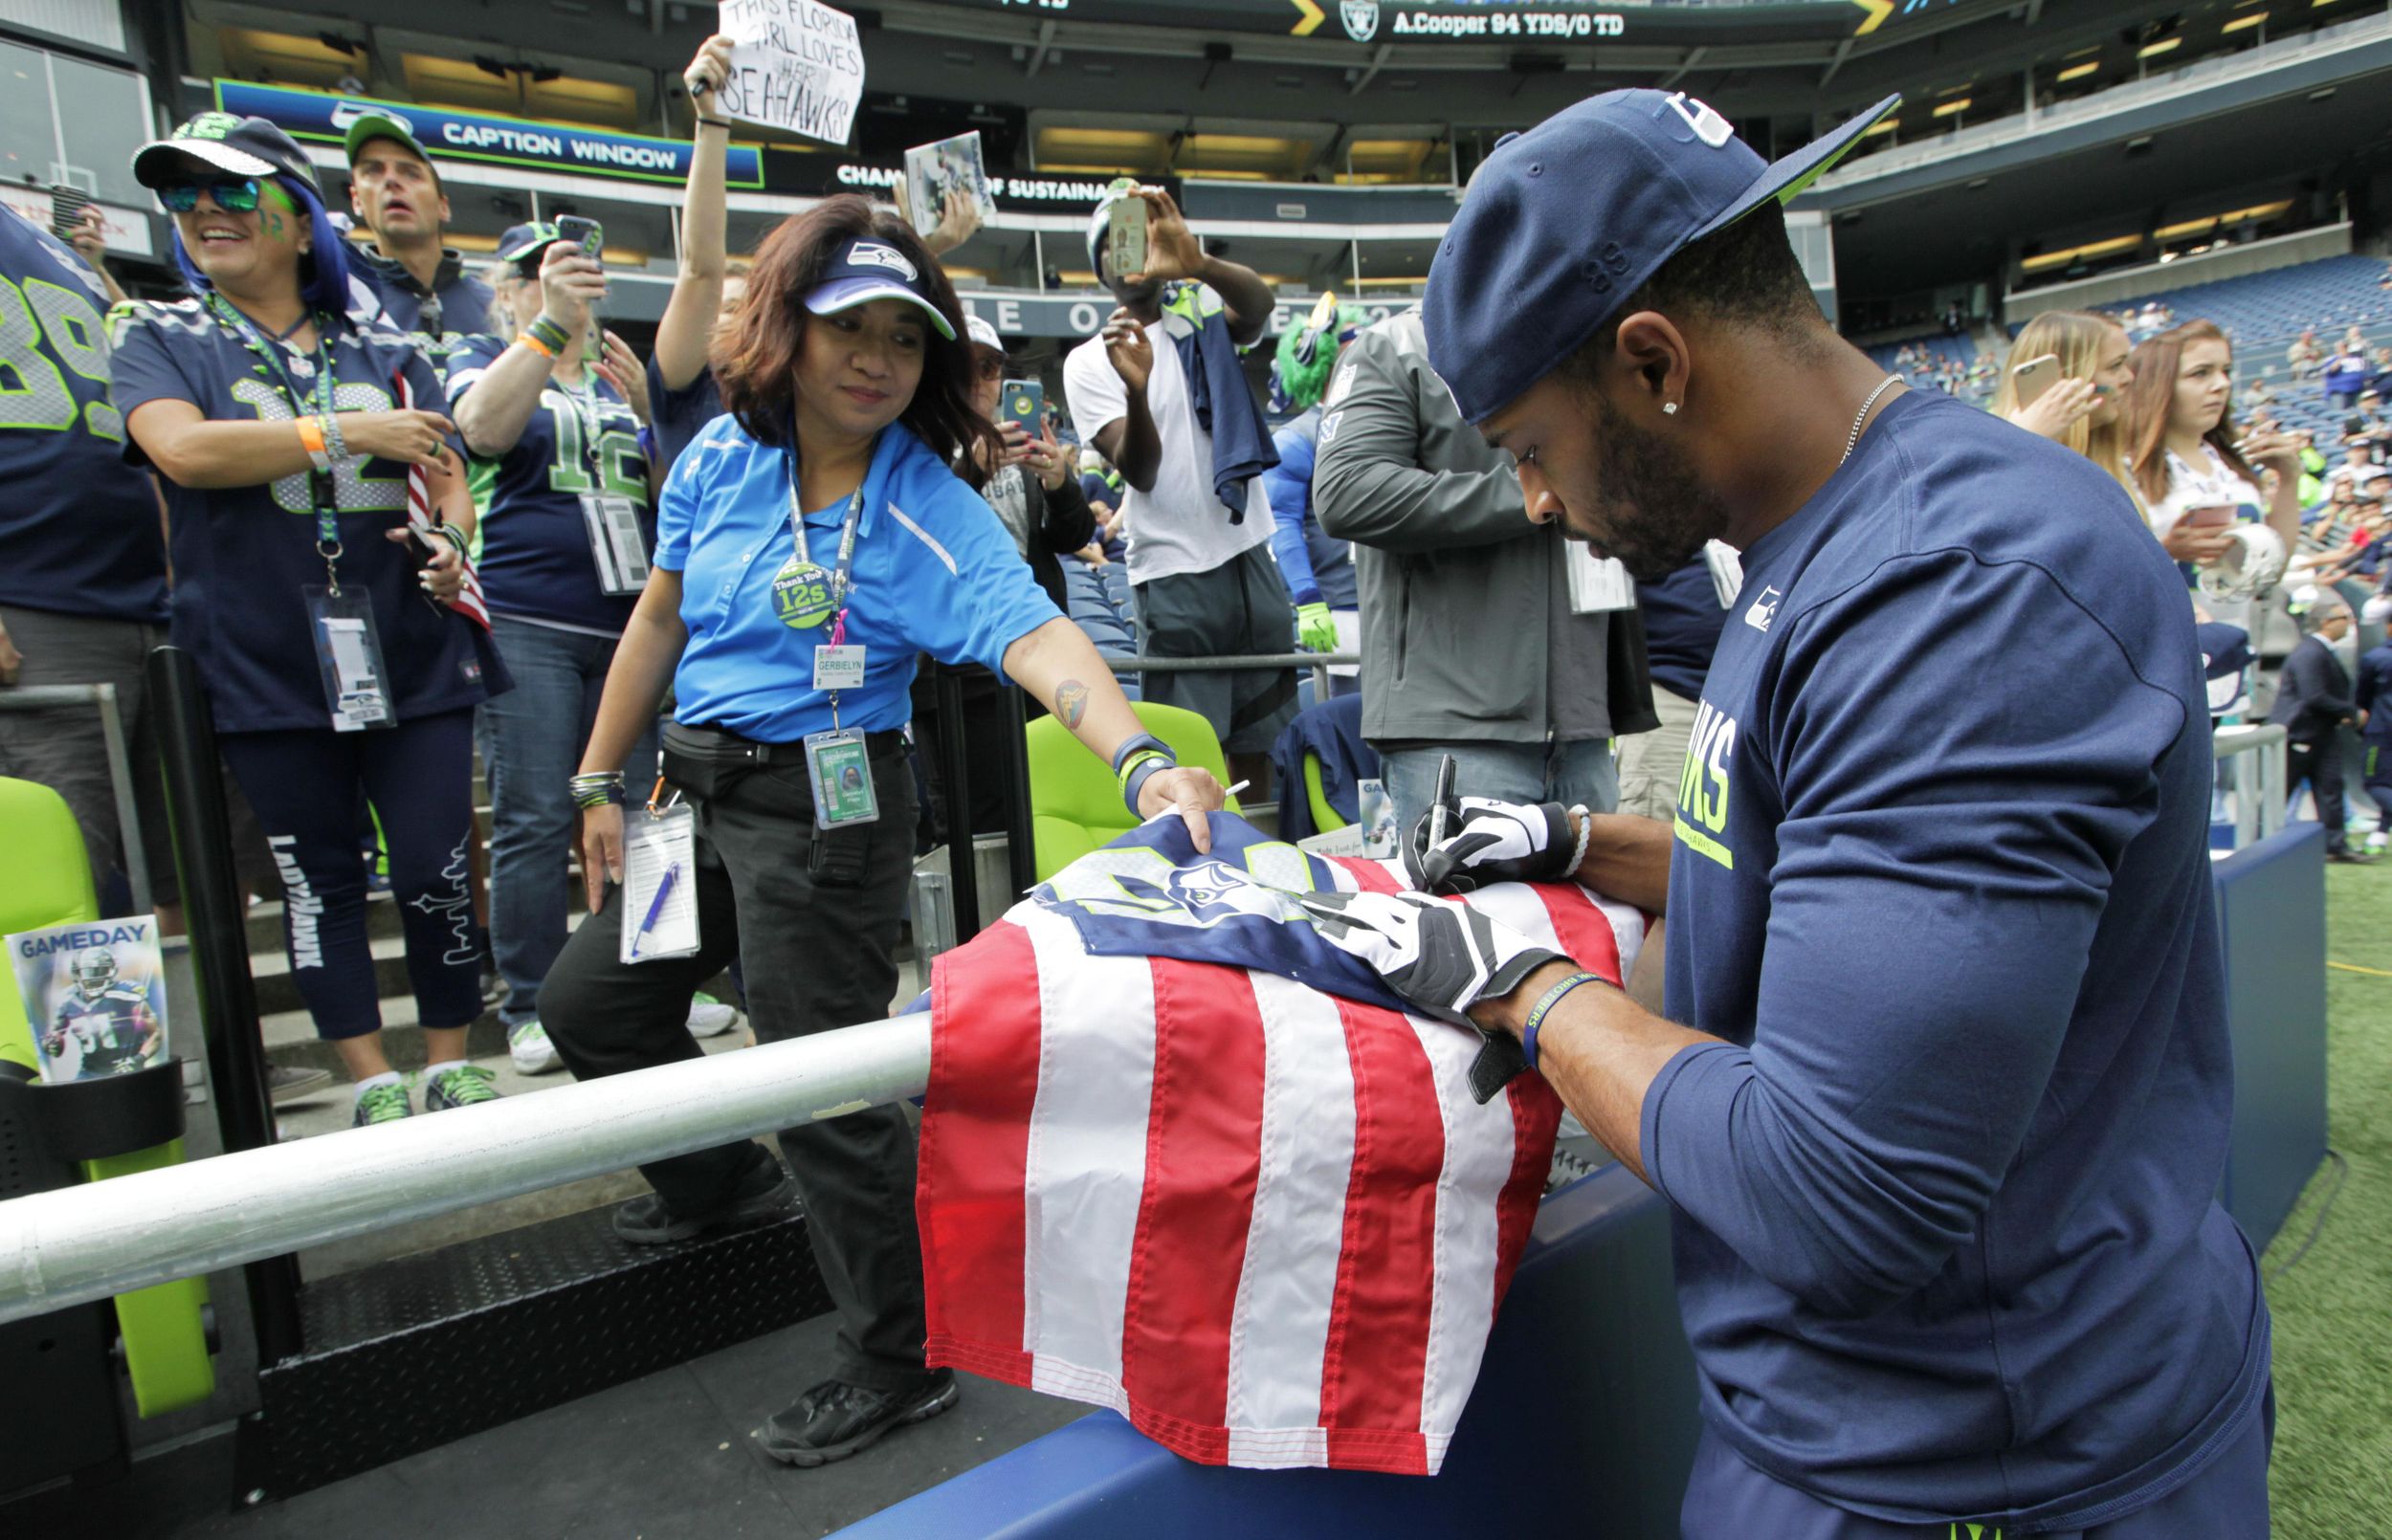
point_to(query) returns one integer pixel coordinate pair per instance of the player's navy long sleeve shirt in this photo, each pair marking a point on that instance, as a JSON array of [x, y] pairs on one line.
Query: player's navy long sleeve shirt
[[1946, 1239]]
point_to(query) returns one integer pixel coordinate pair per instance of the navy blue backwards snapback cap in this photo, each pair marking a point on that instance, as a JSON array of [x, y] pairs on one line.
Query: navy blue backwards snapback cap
[[1564, 222]]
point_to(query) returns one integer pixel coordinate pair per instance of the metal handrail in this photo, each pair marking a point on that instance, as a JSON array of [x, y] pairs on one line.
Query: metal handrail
[[76, 1245], [45, 697], [2260, 795]]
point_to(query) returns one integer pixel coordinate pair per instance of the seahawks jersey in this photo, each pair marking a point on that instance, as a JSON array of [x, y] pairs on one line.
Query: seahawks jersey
[[242, 554], [79, 532], [106, 1033], [537, 562]]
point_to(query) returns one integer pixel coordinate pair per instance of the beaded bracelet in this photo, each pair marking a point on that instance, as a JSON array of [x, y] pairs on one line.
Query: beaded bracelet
[[1544, 1003], [596, 788]]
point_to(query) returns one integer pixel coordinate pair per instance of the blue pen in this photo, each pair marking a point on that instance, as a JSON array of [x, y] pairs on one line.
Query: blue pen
[[655, 904]]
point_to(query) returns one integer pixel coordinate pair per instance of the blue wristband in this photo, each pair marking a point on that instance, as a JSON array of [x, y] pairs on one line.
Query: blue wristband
[[1139, 772], [1544, 1003], [1133, 745]]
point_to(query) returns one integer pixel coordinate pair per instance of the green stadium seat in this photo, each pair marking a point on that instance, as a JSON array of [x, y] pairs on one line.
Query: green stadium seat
[[1074, 803], [45, 879]]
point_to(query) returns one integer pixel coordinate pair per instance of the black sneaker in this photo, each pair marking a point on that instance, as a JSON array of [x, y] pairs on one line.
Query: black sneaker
[[835, 1420], [2344, 855], [763, 1192]]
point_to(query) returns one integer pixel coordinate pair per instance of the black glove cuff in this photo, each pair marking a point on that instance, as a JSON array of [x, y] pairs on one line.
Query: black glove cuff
[[1554, 862], [1509, 976]]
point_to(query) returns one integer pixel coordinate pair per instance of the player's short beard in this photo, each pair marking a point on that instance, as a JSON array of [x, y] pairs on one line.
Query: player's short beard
[[1655, 511]]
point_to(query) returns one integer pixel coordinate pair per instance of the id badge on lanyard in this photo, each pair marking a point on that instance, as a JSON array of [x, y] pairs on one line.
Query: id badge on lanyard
[[610, 520], [659, 884], [838, 766], [348, 658], [616, 546], [1596, 585]]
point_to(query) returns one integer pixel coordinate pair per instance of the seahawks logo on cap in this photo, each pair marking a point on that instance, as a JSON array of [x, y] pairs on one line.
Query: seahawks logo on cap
[[870, 253], [1708, 125], [208, 126]]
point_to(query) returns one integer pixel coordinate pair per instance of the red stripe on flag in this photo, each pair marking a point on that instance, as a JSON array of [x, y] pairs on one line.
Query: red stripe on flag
[[1584, 930], [1536, 1115], [984, 1030], [1370, 875], [1378, 1348], [1204, 1141]]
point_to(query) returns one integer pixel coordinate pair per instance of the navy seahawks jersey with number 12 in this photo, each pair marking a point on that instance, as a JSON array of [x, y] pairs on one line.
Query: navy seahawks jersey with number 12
[[536, 560], [242, 554], [79, 532]]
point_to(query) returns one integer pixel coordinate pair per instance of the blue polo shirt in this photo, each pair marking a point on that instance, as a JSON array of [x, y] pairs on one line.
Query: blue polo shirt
[[935, 572], [1944, 1201], [79, 531]]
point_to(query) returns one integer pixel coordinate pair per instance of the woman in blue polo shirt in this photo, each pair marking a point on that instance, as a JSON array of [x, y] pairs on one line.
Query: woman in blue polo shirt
[[314, 615], [809, 544], [553, 416]]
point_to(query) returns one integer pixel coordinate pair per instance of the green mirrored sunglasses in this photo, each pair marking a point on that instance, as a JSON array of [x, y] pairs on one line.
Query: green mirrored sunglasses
[[233, 194]]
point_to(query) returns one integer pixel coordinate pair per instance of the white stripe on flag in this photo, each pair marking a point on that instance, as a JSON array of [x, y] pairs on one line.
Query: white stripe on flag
[[1478, 1153], [1279, 1330], [1516, 904], [1085, 1167], [1627, 927]]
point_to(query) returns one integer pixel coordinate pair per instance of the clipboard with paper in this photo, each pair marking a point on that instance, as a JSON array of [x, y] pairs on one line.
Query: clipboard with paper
[[659, 884]]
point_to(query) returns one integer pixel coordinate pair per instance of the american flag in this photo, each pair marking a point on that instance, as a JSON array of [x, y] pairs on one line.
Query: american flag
[[1262, 1220], [423, 519]]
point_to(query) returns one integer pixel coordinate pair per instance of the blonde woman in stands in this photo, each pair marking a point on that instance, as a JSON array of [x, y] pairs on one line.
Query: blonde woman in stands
[[2195, 474], [2084, 409]]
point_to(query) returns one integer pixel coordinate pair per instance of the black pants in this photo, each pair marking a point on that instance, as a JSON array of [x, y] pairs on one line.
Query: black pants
[[817, 956], [2320, 764]]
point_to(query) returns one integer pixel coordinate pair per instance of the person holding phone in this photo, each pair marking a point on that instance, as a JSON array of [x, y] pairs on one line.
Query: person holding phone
[[1037, 498], [320, 623], [2197, 476], [556, 412], [1200, 575], [811, 546], [2066, 380]]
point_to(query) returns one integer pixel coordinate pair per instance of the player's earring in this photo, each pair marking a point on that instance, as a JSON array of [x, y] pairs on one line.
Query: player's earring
[[1669, 408]]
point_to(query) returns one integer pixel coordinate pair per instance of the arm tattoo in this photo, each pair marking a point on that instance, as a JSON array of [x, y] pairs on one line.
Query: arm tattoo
[[1071, 702]]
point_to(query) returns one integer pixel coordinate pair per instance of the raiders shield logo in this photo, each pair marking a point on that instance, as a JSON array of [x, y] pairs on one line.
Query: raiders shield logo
[[1361, 18]]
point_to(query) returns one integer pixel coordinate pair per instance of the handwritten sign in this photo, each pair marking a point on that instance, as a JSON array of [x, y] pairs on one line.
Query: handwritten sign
[[798, 65]]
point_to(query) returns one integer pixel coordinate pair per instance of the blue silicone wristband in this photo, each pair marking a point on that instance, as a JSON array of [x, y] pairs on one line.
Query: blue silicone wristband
[[1538, 1012], [1138, 776]]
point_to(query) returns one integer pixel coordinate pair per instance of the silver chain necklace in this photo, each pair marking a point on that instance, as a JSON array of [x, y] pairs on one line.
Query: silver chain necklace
[[1883, 386]]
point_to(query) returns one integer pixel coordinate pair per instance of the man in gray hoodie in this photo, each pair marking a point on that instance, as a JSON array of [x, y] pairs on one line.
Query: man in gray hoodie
[[1470, 644]]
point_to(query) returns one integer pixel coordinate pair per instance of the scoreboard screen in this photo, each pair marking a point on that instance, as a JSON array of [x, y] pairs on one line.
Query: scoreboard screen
[[1491, 21]]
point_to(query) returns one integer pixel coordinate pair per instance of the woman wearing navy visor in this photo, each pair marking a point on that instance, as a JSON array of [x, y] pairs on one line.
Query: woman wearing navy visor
[[555, 414], [319, 625], [809, 544]]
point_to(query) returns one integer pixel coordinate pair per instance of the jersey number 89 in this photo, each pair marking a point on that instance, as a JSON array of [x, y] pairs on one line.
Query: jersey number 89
[[32, 393]]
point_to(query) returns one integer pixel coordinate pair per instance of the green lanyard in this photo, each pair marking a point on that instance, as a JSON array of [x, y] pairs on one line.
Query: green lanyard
[[842, 575], [588, 411], [320, 482]]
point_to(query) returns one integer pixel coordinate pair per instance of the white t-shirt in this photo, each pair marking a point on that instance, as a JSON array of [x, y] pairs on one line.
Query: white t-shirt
[[2211, 484], [1181, 526]]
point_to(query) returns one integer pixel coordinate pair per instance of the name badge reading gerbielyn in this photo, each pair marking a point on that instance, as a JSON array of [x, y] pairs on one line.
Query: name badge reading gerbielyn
[[838, 668]]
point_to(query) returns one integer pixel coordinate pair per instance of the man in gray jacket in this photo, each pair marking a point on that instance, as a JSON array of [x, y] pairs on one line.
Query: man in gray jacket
[[1469, 644]]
